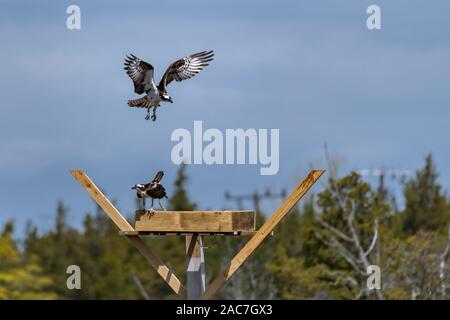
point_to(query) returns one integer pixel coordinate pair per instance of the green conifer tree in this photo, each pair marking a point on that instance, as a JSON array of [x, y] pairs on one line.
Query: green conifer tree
[[427, 206]]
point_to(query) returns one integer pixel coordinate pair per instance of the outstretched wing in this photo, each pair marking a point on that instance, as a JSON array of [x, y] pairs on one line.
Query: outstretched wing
[[185, 68], [140, 72], [158, 177]]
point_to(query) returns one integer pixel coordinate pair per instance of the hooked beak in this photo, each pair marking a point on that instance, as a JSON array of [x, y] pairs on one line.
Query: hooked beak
[[133, 187], [170, 100]]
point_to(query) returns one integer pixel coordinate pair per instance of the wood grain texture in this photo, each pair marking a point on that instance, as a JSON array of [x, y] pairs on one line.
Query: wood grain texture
[[195, 221], [124, 226], [263, 232], [101, 200], [156, 233]]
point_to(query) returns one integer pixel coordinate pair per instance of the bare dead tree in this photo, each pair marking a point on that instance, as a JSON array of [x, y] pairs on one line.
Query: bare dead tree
[[443, 266], [423, 266], [340, 241], [347, 244]]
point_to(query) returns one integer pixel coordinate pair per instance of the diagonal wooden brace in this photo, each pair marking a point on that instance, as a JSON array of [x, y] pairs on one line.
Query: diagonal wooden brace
[[123, 225], [262, 233]]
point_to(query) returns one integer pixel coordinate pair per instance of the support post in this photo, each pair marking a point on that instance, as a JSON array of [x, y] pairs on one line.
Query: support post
[[195, 263]]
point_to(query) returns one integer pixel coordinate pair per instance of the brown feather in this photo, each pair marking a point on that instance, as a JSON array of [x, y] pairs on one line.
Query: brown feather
[[140, 103], [185, 68]]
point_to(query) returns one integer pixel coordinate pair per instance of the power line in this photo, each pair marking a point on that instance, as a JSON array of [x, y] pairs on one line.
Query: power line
[[255, 197]]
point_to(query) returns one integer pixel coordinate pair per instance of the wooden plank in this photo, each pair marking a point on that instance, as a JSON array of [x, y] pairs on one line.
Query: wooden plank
[[128, 233], [195, 221], [124, 226], [263, 232], [171, 233], [101, 200], [163, 270]]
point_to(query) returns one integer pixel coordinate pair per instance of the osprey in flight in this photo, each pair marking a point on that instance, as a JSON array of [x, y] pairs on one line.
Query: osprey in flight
[[141, 73], [153, 190]]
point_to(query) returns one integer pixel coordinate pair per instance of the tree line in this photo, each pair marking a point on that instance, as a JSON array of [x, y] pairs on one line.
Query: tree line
[[321, 250]]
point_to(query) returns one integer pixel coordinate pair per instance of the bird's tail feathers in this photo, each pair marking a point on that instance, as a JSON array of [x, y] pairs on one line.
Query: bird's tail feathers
[[139, 103], [158, 176]]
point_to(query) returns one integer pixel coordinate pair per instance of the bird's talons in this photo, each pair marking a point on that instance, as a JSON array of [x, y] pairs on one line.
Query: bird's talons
[[147, 117], [153, 114]]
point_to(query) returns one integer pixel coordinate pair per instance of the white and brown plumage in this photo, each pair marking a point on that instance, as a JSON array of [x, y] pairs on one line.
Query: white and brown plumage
[[142, 74], [153, 190]]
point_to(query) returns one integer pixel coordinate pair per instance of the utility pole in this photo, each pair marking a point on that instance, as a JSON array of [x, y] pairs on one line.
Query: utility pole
[[255, 197], [382, 174]]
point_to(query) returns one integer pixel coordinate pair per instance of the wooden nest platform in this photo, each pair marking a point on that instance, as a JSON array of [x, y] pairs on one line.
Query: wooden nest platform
[[226, 222], [193, 225]]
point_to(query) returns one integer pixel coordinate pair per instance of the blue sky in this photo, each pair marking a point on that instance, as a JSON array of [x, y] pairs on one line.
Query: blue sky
[[310, 68]]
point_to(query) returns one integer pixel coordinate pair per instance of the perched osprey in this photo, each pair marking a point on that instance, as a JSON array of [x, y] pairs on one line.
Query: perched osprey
[[153, 190], [141, 73]]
